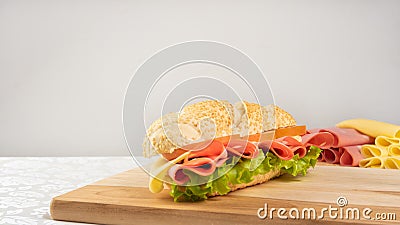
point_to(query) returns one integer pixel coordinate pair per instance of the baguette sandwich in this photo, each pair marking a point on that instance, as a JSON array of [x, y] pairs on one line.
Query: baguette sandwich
[[213, 147]]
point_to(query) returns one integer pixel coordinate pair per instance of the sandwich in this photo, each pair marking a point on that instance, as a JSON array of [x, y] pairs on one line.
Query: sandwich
[[213, 147]]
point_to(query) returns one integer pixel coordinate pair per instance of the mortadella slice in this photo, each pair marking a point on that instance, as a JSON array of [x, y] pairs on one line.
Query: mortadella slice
[[321, 157], [279, 149], [318, 139], [351, 155], [242, 148], [331, 155], [296, 146], [220, 159], [201, 166], [346, 136]]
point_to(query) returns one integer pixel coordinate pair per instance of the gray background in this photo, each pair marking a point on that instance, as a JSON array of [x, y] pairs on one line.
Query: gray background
[[65, 65]]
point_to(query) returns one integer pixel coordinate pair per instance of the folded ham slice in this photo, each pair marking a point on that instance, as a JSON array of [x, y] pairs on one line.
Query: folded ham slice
[[331, 156], [202, 160], [200, 166], [339, 145], [203, 166], [296, 146], [206, 157], [345, 156], [344, 136], [351, 155], [282, 147], [279, 149], [242, 148], [321, 140]]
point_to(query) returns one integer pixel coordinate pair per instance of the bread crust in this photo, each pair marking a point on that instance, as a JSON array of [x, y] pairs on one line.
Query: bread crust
[[209, 119]]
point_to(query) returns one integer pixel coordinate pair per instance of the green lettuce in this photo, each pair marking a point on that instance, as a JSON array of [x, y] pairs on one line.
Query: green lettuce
[[239, 170]]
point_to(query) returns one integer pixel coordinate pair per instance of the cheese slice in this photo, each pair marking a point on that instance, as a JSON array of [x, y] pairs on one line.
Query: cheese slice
[[392, 163], [394, 150], [383, 141], [383, 162], [159, 170], [298, 138], [372, 128], [372, 162], [384, 154], [373, 151]]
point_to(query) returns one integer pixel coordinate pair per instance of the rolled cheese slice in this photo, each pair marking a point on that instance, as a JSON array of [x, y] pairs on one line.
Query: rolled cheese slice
[[394, 150], [392, 163], [373, 162], [383, 141], [372, 128], [369, 151]]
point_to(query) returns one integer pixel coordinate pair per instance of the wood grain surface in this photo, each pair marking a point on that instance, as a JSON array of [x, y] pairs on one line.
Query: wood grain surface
[[125, 199]]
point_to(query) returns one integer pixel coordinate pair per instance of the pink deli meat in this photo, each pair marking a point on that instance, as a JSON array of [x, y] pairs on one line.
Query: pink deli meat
[[203, 166], [345, 137], [279, 149], [351, 155], [343, 149], [205, 161]]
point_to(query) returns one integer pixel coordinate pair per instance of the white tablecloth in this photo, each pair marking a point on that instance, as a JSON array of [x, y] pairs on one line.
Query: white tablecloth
[[27, 185]]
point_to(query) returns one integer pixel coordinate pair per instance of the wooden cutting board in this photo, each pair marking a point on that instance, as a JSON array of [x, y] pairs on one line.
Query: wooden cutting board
[[125, 199]]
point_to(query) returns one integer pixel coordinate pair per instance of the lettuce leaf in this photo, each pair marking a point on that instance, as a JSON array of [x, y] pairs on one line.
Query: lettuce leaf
[[238, 170]]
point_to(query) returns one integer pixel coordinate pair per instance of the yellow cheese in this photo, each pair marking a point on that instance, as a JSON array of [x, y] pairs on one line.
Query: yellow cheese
[[386, 151], [298, 138], [394, 150], [372, 128], [159, 170], [383, 141], [369, 151], [392, 163], [384, 162], [373, 162]]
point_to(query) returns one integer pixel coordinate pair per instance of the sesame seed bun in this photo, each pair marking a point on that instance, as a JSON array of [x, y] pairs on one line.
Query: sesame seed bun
[[212, 119]]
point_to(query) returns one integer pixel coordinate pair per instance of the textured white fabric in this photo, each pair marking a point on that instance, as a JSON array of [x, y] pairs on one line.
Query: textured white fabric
[[27, 185]]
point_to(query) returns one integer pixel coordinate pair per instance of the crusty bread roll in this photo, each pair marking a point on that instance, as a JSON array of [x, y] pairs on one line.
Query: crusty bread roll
[[210, 119]]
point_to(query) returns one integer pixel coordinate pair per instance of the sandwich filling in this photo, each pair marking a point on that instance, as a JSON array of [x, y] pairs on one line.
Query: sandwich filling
[[217, 168], [247, 144]]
